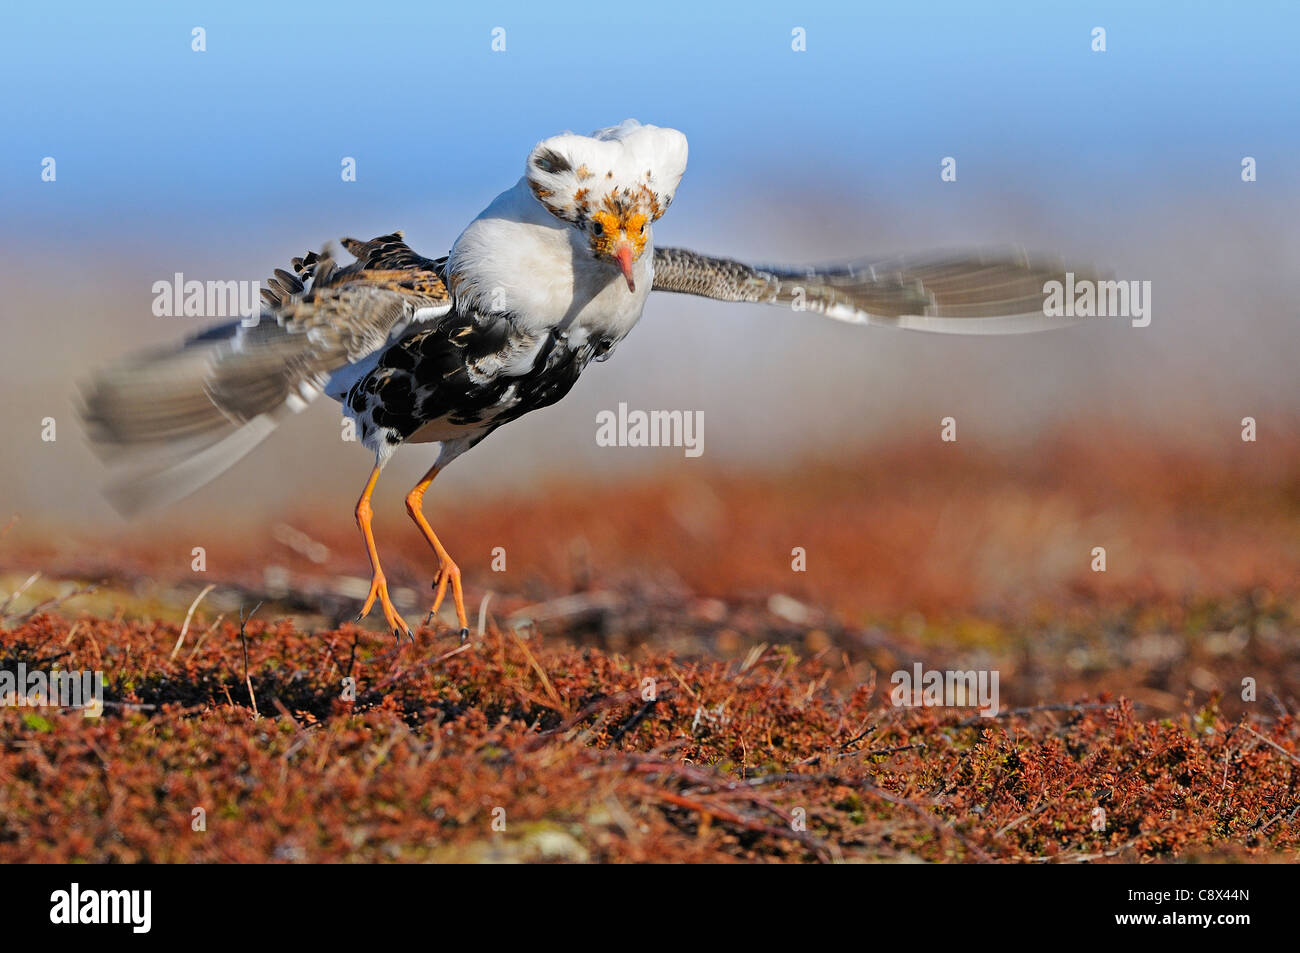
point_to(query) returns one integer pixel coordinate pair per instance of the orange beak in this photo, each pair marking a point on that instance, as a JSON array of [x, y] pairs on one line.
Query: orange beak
[[623, 255]]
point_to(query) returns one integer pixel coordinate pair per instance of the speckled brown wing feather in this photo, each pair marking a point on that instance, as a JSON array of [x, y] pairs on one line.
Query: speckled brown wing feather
[[314, 321], [993, 292], [229, 386], [349, 312]]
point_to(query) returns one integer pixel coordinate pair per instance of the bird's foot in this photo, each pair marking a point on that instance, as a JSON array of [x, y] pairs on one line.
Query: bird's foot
[[449, 572], [379, 590]]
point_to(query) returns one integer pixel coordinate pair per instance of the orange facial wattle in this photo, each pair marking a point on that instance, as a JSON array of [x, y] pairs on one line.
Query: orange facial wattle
[[629, 228]]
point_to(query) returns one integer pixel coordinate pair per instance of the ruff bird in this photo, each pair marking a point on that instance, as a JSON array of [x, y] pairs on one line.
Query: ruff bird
[[550, 277]]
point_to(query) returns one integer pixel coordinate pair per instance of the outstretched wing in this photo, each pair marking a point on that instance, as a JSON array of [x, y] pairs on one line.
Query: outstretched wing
[[210, 401], [983, 293]]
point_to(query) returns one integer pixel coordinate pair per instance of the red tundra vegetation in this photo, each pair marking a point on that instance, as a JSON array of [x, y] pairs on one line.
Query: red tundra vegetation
[[652, 682]]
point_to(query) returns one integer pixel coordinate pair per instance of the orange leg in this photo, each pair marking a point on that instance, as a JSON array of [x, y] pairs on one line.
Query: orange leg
[[448, 571], [378, 584]]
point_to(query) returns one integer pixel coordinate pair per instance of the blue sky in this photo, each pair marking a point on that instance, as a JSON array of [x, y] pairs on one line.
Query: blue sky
[[226, 163], [152, 137]]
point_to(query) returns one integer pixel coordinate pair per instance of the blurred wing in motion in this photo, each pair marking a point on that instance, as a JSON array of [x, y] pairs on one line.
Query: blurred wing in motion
[[183, 416], [981, 293]]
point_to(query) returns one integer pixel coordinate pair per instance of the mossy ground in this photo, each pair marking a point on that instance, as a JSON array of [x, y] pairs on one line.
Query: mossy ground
[[681, 694]]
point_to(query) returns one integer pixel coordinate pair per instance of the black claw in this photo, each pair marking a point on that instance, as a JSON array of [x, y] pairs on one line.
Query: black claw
[[360, 616], [464, 634], [410, 635], [430, 618], [398, 632]]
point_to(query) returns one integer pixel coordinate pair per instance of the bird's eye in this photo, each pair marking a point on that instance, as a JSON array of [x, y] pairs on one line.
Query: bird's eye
[[597, 228]]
